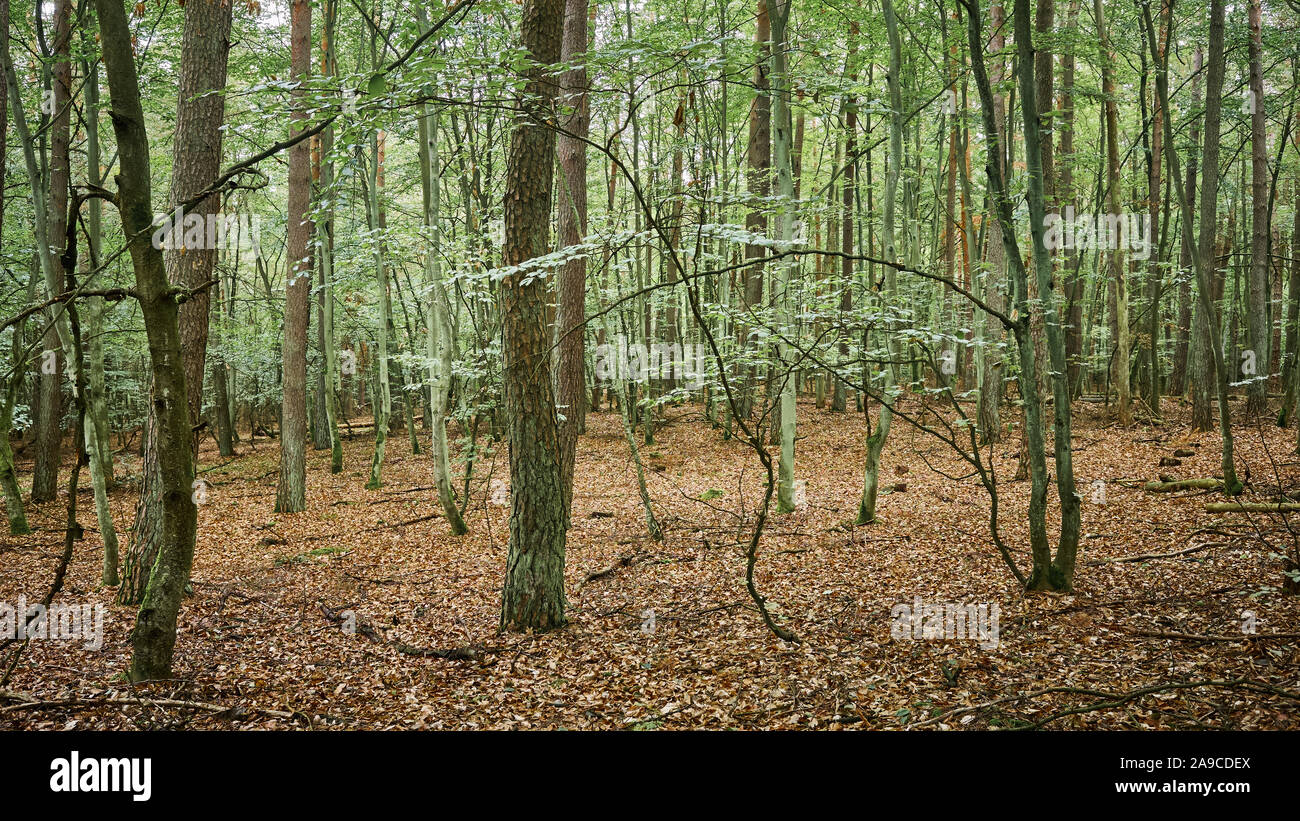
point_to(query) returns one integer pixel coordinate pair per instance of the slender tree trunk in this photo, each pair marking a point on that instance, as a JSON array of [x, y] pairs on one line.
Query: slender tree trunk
[[571, 221], [759, 184], [383, 390], [1292, 366], [325, 243], [438, 315], [1178, 375], [1118, 275], [839, 401], [1257, 313], [154, 636], [58, 351], [1209, 193], [96, 423], [1049, 573], [14, 510], [1068, 196], [1155, 250], [988, 411], [291, 492], [782, 146], [876, 438]]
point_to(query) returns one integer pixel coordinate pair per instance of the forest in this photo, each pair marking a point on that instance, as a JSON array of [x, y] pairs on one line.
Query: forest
[[650, 365]]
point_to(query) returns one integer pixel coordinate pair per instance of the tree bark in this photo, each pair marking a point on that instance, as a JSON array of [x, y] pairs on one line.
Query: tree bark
[[533, 594], [154, 636], [440, 347], [571, 222], [1257, 313], [291, 492], [196, 161]]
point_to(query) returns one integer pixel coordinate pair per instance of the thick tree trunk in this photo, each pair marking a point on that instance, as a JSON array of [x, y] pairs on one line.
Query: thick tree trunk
[[196, 161], [533, 594]]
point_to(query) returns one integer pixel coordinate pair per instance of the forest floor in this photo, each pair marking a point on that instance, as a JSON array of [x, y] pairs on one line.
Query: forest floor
[[364, 611]]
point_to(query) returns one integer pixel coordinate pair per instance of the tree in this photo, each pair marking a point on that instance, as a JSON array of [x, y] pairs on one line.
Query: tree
[[782, 146], [196, 160], [154, 636], [1118, 275], [571, 221], [533, 595], [1257, 315], [1050, 572], [58, 344], [876, 438], [440, 341], [291, 493]]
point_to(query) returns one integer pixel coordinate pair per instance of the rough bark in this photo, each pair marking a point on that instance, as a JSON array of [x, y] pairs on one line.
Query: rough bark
[[533, 594], [196, 161]]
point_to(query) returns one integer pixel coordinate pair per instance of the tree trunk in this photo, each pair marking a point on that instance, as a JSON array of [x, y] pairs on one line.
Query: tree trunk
[[383, 389], [988, 411], [96, 425], [1178, 375], [782, 146], [154, 636], [839, 401], [876, 438], [533, 594], [571, 222], [438, 316], [58, 351], [291, 492], [1257, 312], [759, 185], [14, 511], [1209, 192], [1118, 275], [196, 161]]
